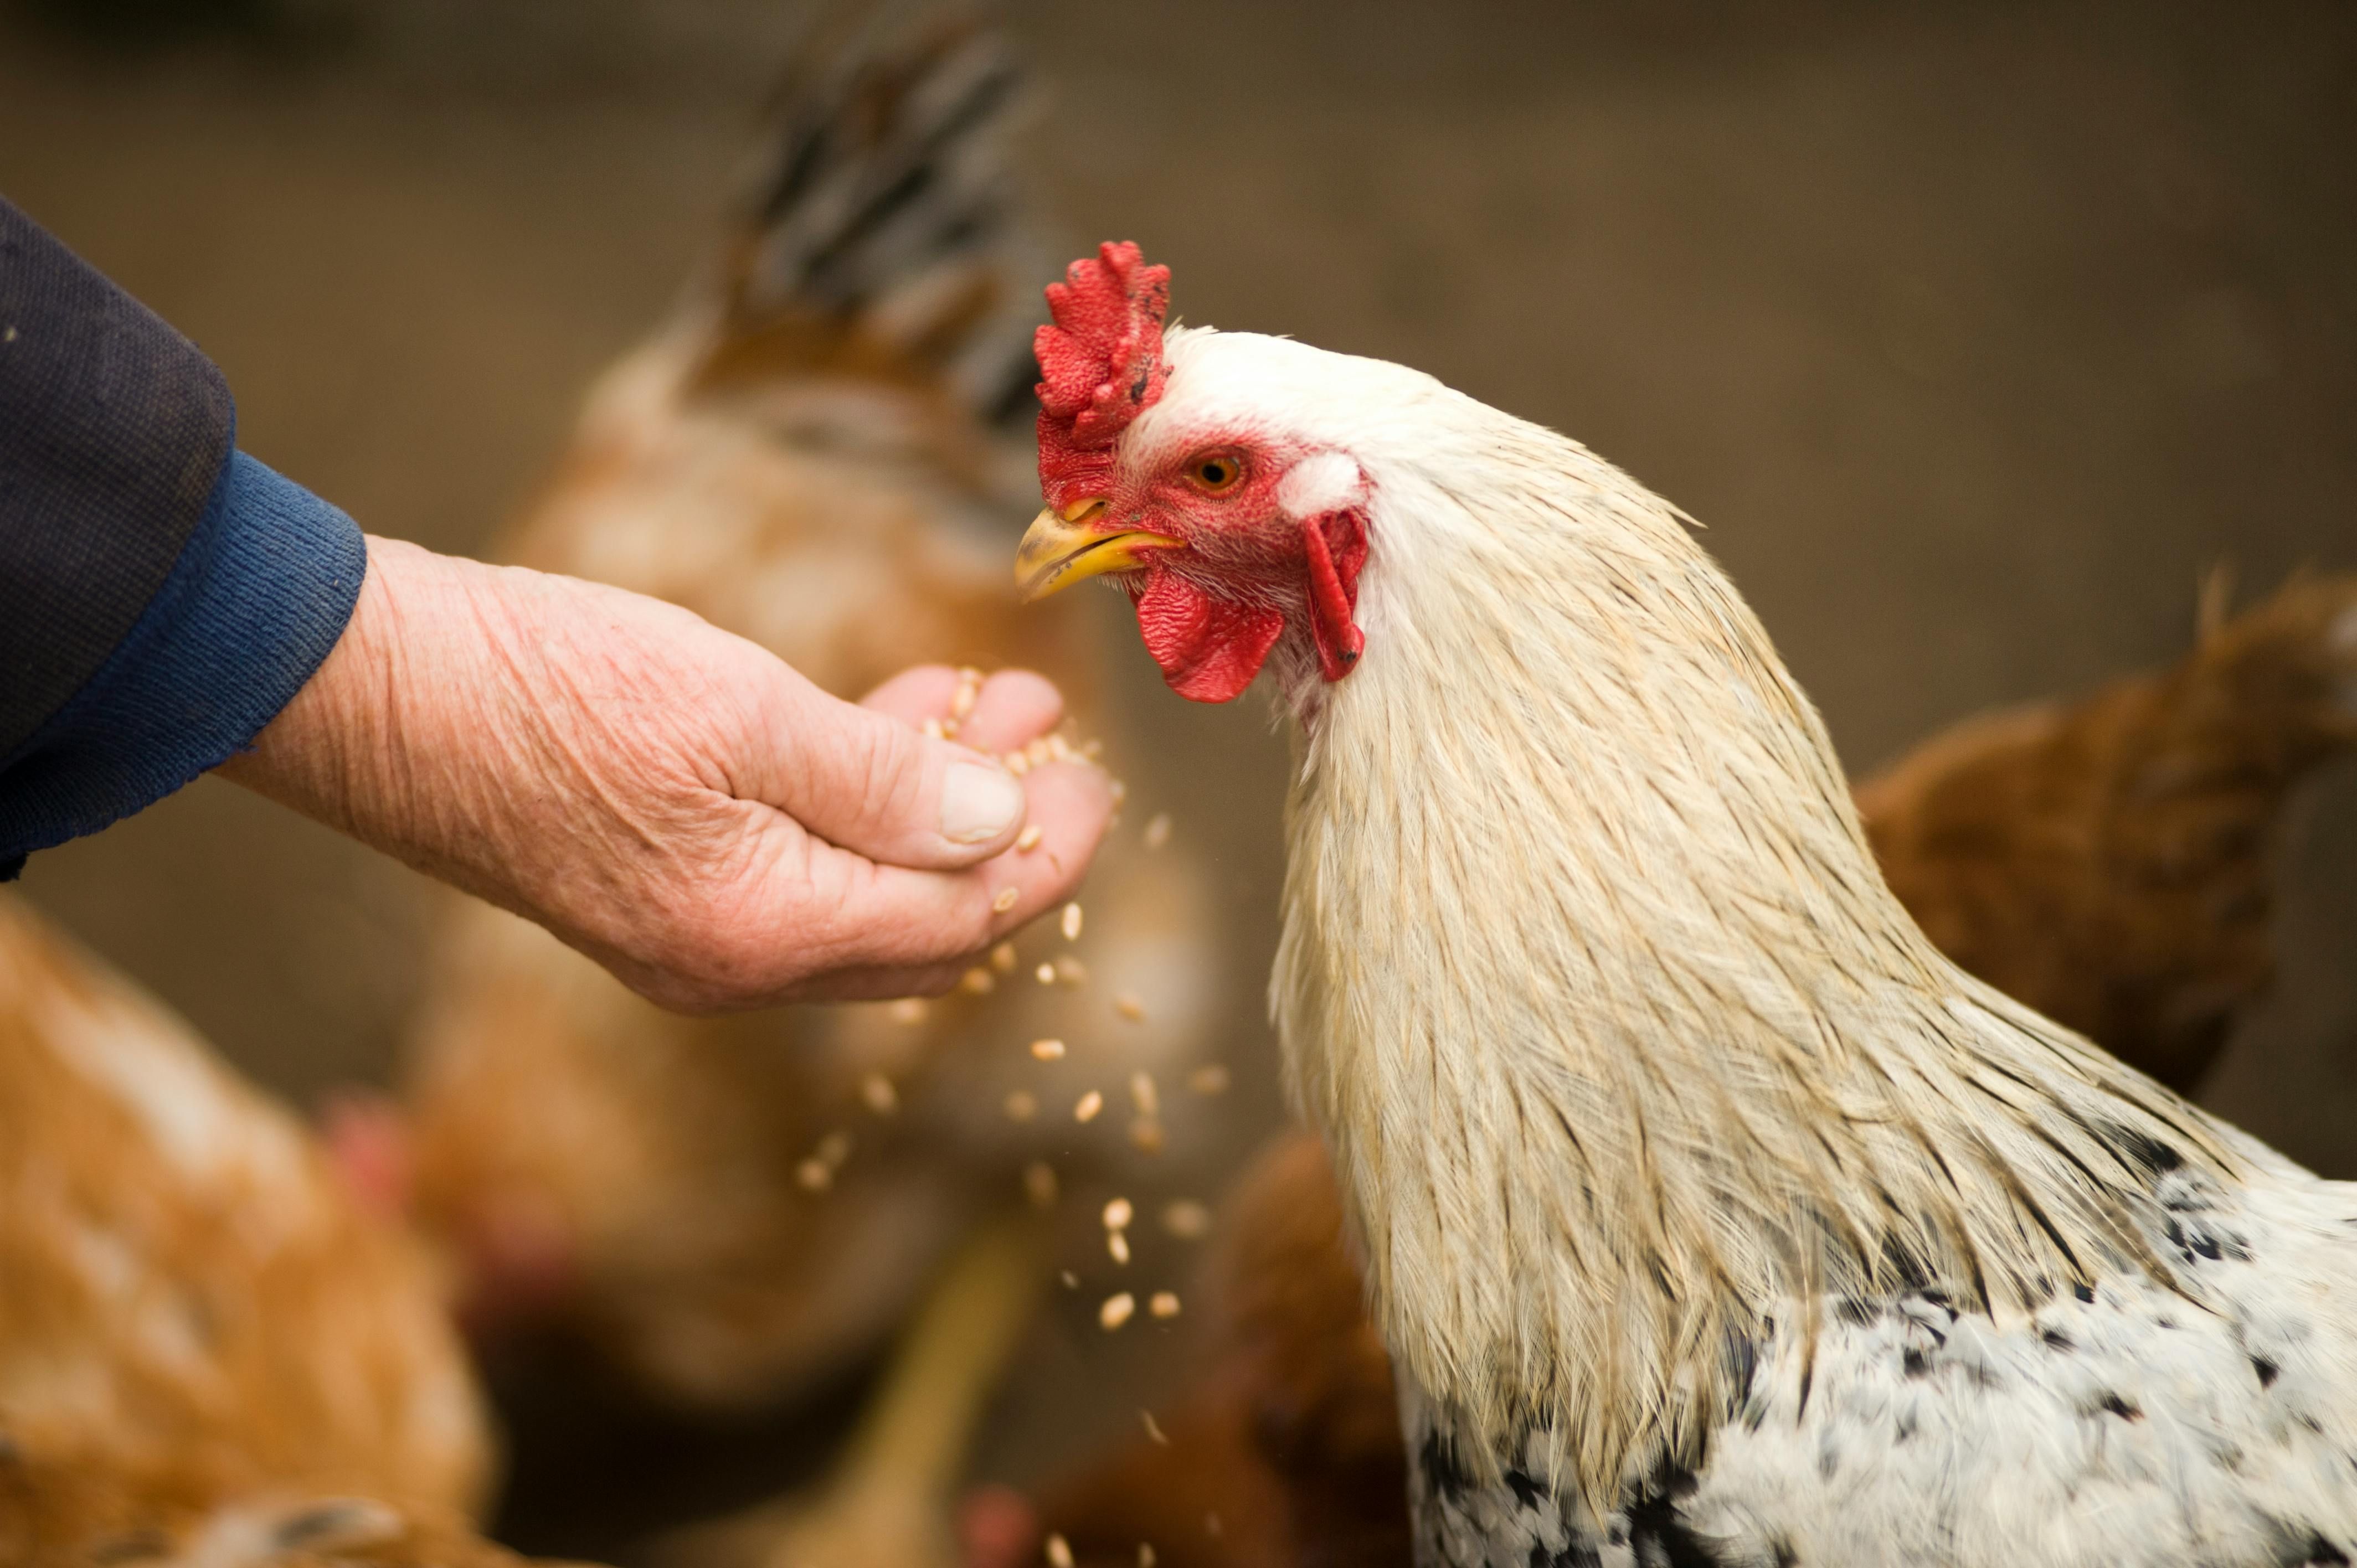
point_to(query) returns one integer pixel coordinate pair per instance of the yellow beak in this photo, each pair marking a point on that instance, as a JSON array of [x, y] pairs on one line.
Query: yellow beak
[[1060, 548]]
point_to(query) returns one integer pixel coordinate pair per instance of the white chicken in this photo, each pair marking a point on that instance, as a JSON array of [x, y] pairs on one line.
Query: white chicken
[[1709, 1214]]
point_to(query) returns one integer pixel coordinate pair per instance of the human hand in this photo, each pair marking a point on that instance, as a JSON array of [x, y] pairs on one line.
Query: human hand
[[670, 799]]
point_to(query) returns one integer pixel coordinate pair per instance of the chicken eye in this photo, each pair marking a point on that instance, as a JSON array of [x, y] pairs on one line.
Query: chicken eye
[[1216, 471]]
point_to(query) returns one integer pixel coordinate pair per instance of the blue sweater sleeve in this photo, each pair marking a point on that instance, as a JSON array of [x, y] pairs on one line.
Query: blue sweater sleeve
[[161, 595]]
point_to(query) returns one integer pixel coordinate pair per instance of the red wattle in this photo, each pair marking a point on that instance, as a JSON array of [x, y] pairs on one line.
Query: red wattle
[[1334, 565], [1209, 649]]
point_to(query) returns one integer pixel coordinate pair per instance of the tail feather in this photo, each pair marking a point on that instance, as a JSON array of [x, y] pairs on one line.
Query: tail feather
[[2107, 861], [882, 231]]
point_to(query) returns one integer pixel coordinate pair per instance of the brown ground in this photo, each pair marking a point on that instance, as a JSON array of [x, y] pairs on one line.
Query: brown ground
[[1974, 332]]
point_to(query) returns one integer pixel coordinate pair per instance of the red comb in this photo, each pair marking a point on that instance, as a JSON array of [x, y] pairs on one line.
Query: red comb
[[1100, 366]]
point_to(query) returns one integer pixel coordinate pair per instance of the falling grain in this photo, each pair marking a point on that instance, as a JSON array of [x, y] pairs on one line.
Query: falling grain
[[1048, 1050], [1045, 974], [1002, 958], [1187, 1220], [1021, 1105], [932, 728], [1118, 1214], [908, 1009], [1059, 1554], [977, 982], [835, 1148], [1040, 1184], [881, 1096], [815, 1176], [1146, 1135], [1071, 922], [1129, 1006], [1089, 1104], [1067, 1279], [1157, 830], [1117, 1246], [1144, 1096], [1154, 1433], [1071, 971], [1145, 1558], [1164, 1305], [1116, 1311], [1210, 1078]]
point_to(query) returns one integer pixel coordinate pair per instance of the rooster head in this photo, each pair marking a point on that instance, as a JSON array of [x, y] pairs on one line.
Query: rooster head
[[1227, 523]]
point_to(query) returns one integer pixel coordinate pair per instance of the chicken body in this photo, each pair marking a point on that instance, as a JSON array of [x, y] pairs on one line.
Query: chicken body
[[208, 1354], [2027, 843], [1709, 1213]]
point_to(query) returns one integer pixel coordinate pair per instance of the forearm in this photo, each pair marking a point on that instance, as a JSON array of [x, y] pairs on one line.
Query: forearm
[[161, 595]]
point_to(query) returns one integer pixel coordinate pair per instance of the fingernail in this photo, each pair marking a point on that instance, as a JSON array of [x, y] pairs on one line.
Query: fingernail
[[978, 802]]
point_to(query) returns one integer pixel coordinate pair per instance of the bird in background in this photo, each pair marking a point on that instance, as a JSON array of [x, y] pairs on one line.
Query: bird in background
[[1708, 1213], [815, 451], [210, 1355]]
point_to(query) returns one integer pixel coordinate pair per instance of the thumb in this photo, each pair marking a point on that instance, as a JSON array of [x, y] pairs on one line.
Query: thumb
[[870, 783]]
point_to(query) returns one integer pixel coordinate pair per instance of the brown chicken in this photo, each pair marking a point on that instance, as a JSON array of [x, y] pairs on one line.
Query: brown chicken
[[729, 1208], [208, 1354], [2105, 860]]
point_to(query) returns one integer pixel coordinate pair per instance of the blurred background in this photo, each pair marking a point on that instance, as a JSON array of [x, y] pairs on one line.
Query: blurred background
[[1974, 332]]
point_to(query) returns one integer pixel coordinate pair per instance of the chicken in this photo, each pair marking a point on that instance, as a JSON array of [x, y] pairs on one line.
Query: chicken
[[1710, 1214], [2009, 838], [208, 1354], [2107, 860], [731, 1209]]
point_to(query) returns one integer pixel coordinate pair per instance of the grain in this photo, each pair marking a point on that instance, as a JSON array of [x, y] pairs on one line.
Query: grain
[[1144, 1096], [977, 982], [1071, 971], [1002, 958], [815, 1176], [1059, 1554], [1017, 763], [1116, 1311], [1087, 1107], [1045, 974], [1006, 900], [1021, 1105], [1048, 1050], [881, 1096], [908, 1009], [1071, 922], [1117, 1246], [1129, 1006], [1118, 1214], [1210, 1078], [1154, 1432], [1164, 1305], [1187, 1220], [932, 728], [1146, 1135], [1067, 1279], [1157, 830], [835, 1148], [1145, 1558], [969, 687], [1028, 839], [1040, 1184]]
